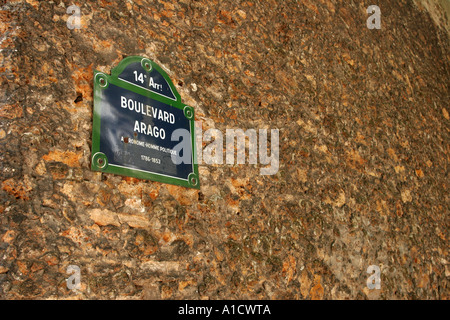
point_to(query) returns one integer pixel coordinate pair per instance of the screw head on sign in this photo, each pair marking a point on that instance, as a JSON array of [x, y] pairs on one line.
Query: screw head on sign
[[145, 63], [188, 112], [194, 181], [100, 161], [102, 82]]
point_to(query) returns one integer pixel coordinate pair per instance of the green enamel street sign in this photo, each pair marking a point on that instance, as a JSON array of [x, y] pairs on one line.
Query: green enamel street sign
[[141, 129]]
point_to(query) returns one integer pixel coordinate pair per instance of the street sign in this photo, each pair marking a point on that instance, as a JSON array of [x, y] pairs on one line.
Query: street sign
[[138, 125]]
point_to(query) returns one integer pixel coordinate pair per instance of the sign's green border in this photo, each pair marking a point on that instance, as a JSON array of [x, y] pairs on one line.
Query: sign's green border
[[99, 162]]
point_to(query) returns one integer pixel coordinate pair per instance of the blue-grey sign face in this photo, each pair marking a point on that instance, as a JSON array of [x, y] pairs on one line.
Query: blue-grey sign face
[[151, 80], [136, 111]]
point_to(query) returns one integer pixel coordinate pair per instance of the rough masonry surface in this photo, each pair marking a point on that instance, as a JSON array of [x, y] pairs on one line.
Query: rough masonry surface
[[364, 148]]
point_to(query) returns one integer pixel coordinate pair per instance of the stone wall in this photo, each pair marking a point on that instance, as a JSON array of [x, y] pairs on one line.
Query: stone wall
[[439, 11], [363, 118]]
